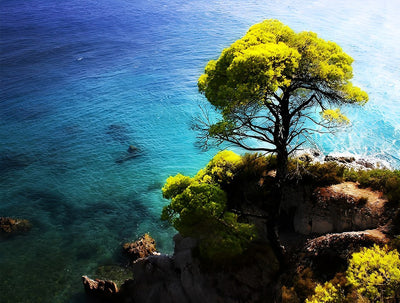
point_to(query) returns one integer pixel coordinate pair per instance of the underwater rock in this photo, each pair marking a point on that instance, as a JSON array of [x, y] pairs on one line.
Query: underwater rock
[[133, 152], [102, 289], [11, 225], [118, 132], [142, 248], [132, 149]]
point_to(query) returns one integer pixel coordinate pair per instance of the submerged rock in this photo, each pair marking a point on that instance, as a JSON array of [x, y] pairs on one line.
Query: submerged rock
[[142, 248], [12, 225], [132, 149]]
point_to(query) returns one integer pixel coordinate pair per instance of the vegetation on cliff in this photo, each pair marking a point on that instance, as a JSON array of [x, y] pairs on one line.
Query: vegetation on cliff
[[198, 209]]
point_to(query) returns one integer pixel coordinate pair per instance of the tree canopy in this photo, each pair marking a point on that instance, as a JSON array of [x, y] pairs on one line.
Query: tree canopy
[[271, 83]]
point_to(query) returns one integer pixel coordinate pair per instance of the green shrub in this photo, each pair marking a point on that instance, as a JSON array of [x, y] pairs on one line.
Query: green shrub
[[317, 174], [198, 209], [384, 180]]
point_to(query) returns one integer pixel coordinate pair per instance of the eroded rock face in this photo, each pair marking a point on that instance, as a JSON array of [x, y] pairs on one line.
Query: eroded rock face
[[181, 278], [11, 225], [335, 208], [329, 253], [101, 289], [142, 248]]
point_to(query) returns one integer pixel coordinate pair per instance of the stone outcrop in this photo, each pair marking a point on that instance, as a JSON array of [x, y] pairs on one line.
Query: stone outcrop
[[183, 278], [12, 225], [328, 254], [100, 289], [142, 248], [336, 208]]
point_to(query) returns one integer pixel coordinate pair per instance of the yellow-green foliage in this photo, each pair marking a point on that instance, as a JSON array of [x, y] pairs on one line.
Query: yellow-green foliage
[[176, 185], [198, 209], [271, 56], [335, 115], [375, 273], [326, 293], [220, 169]]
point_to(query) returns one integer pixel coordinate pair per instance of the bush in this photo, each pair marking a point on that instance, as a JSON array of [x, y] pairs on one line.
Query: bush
[[326, 293], [387, 181], [317, 174], [198, 209], [375, 273]]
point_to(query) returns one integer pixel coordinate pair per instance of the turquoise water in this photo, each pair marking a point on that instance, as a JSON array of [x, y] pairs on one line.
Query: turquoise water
[[83, 80]]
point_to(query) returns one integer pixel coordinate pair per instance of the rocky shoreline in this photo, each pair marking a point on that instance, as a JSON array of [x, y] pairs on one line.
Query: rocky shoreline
[[348, 160], [329, 224]]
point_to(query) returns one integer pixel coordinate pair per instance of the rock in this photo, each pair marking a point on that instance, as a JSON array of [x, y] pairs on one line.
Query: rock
[[337, 208], [306, 158], [328, 254], [12, 225], [126, 158], [184, 278], [339, 159], [101, 289], [144, 247], [132, 149]]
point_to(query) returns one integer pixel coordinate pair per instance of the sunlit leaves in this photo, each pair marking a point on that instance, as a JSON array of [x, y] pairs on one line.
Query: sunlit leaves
[[335, 116], [375, 273], [326, 293], [198, 208]]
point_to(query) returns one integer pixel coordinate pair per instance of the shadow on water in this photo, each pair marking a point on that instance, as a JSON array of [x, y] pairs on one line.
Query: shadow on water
[[118, 132], [52, 204], [10, 162]]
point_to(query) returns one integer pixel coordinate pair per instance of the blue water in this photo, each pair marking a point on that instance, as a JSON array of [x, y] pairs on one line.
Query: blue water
[[83, 80]]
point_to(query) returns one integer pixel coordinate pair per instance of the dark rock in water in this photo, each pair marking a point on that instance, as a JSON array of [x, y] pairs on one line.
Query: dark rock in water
[[118, 133], [126, 158], [142, 248], [132, 149], [101, 289], [10, 225], [340, 159], [365, 163], [133, 152]]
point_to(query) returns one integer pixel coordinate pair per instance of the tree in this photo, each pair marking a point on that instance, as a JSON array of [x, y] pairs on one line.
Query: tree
[[270, 85], [276, 87]]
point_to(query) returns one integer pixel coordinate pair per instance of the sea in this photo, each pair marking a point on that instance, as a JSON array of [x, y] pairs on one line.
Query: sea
[[81, 81]]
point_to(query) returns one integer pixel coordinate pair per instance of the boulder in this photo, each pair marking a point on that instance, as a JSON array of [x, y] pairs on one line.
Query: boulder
[[185, 278], [339, 159], [132, 149], [101, 289], [12, 225], [337, 208], [328, 254], [142, 248]]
